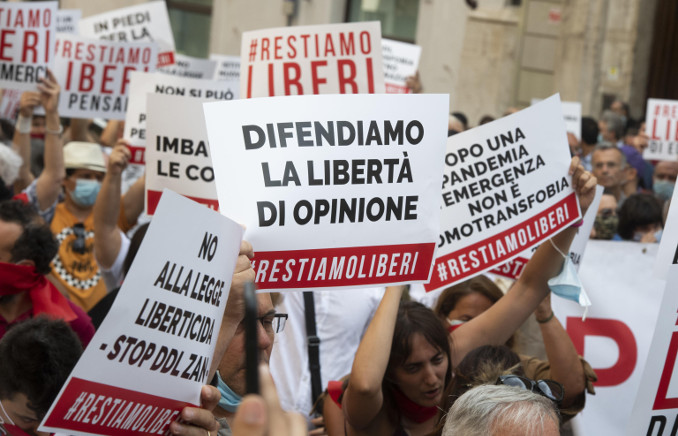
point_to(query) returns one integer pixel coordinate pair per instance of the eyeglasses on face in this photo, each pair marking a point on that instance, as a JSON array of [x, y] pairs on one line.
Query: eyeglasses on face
[[273, 323], [550, 389]]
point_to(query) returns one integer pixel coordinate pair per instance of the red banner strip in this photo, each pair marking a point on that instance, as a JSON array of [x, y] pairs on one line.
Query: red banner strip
[[472, 260], [108, 410], [138, 155], [347, 266], [153, 197]]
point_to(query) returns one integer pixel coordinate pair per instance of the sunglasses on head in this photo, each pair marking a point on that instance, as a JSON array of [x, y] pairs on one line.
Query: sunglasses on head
[[550, 389]]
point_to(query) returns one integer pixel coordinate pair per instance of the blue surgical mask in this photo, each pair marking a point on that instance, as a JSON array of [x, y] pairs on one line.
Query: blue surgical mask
[[600, 137], [663, 189], [85, 192], [567, 285], [229, 400], [658, 235]]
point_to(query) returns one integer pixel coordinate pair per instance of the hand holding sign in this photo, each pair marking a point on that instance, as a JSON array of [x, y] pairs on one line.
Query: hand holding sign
[[29, 100], [584, 184], [49, 92], [119, 158], [195, 421]]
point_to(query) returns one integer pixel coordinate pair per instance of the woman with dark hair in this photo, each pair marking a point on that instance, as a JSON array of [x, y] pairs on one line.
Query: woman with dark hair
[[404, 362], [640, 219], [466, 300]]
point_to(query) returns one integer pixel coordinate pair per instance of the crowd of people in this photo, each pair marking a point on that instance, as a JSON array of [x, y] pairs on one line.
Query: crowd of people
[[390, 361]]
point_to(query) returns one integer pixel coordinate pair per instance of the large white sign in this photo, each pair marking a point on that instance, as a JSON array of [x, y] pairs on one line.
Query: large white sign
[[301, 60], [67, 20], [668, 246], [27, 32], [94, 75], [146, 22], [177, 153], [615, 337], [228, 67], [571, 115], [505, 188], [661, 126], [153, 350], [335, 191], [401, 60], [142, 84], [195, 68]]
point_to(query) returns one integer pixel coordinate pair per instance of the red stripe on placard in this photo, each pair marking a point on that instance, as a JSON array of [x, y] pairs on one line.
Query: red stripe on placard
[[511, 269], [396, 89], [346, 266], [490, 252], [165, 58], [108, 410], [153, 197], [138, 155]]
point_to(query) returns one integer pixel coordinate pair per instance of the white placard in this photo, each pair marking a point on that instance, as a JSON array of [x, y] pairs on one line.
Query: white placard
[[94, 75], [302, 60], [194, 68], [228, 67], [505, 188], [668, 246], [401, 60], [27, 32], [9, 104], [146, 22], [661, 126], [335, 191], [514, 267], [571, 115], [142, 84], [615, 337], [177, 153], [154, 349], [67, 20]]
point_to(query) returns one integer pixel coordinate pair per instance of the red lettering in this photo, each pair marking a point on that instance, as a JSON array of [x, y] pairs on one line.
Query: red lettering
[[289, 80], [314, 75], [346, 44], [329, 46], [370, 76], [271, 82], [67, 49], [654, 129], [30, 45], [69, 75], [618, 332], [4, 44], [292, 52], [668, 129], [86, 77], [277, 47], [347, 79], [264, 49], [365, 43], [107, 78], [47, 50], [249, 81], [125, 78], [660, 400], [305, 38], [34, 18]]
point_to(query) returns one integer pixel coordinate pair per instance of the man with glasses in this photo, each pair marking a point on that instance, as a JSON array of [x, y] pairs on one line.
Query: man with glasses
[[230, 376]]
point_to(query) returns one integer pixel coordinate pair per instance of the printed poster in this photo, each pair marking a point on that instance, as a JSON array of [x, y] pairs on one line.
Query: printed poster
[[67, 20], [336, 191], [661, 126], [401, 60], [154, 350], [228, 67], [194, 68], [300, 60]]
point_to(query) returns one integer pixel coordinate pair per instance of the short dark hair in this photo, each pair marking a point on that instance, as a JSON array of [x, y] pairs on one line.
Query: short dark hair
[[36, 242], [463, 119], [36, 357], [638, 210], [589, 130]]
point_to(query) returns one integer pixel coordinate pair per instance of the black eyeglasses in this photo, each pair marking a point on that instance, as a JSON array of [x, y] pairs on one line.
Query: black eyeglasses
[[78, 244], [273, 323], [550, 389]]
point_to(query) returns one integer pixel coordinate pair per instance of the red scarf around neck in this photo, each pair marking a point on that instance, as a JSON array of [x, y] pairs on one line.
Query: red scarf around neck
[[412, 410], [45, 297]]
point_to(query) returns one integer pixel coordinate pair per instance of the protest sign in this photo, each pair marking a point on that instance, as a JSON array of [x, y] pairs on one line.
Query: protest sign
[[301, 60], [187, 66], [505, 189], [655, 411], [67, 20], [571, 115], [9, 104], [142, 84], [94, 75], [177, 154], [228, 67], [668, 246], [27, 32], [154, 349], [661, 126], [146, 22], [335, 191], [615, 337], [401, 60], [514, 267]]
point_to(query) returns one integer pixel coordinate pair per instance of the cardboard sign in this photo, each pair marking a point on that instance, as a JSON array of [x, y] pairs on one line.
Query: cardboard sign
[[146, 22], [668, 246], [514, 267], [656, 407], [94, 75], [661, 126], [187, 66], [571, 115], [153, 351], [142, 84], [615, 337], [401, 60], [505, 189], [9, 104], [177, 153], [302, 60], [228, 67], [67, 20], [335, 191], [27, 32]]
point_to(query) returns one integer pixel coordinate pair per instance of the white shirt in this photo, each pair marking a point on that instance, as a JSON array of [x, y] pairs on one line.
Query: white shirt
[[341, 319]]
